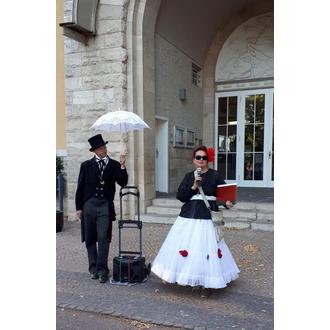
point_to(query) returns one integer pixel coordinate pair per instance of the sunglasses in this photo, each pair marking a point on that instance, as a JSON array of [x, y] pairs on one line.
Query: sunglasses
[[198, 157]]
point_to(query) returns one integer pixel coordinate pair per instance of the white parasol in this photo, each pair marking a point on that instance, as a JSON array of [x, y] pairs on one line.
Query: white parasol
[[119, 121]]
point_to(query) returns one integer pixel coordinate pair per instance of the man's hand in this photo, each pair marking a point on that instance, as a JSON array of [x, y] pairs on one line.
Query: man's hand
[[78, 214], [229, 204], [122, 160]]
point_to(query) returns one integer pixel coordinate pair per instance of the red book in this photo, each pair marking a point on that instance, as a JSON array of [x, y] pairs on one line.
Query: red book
[[227, 192]]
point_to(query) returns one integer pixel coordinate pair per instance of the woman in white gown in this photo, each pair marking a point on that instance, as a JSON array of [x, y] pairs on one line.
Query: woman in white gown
[[190, 254]]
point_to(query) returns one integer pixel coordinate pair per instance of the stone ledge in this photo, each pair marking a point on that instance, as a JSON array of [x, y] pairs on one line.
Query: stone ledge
[[237, 224], [262, 226]]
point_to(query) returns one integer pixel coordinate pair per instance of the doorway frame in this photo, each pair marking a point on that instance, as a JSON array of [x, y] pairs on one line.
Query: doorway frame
[[161, 175], [268, 121]]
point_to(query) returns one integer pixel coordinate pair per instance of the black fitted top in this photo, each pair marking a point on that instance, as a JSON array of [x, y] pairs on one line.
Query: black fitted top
[[196, 209]]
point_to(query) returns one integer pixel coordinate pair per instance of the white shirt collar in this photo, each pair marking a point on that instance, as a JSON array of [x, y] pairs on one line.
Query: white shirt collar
[[106, 158]]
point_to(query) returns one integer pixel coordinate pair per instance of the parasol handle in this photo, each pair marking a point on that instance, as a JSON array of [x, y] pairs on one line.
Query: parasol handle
[[123, 148], [123, 144]]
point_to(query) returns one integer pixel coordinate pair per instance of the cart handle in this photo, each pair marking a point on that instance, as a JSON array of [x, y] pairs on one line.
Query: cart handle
[[137, 194]]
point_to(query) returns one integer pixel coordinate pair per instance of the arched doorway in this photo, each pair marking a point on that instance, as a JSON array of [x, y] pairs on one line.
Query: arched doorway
[[141, 71], [244, 104]]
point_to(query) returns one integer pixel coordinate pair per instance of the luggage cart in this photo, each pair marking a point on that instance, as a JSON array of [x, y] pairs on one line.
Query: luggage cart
[[129, 266]]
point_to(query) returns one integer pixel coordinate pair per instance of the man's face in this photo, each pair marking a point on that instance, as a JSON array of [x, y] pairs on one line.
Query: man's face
[[101, 151]]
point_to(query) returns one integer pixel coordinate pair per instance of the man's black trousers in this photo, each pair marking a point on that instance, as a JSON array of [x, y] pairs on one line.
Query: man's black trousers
[[96, 222]]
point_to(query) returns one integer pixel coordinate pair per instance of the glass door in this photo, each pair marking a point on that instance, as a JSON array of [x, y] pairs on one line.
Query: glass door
[[244, 137], [226, 138]]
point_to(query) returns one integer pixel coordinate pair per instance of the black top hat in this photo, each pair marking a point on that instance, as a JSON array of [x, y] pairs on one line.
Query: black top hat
[[96, 141]]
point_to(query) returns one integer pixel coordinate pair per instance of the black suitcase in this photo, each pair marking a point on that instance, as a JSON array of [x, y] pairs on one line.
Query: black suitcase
[[130, 269], [130, 266]]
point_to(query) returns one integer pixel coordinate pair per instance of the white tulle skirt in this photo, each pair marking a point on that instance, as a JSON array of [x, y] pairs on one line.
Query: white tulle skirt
[[190, 256]]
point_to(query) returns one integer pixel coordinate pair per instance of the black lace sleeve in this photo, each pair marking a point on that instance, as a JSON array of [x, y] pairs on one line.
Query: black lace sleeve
[[219, 179], [185, 192]]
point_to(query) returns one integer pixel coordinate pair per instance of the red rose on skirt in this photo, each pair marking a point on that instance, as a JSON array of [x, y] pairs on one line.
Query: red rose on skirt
[[219, 253], [184, 253]]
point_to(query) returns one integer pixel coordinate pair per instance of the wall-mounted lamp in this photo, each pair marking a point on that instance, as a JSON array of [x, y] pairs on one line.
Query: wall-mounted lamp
[[83, 22], [182, 94]]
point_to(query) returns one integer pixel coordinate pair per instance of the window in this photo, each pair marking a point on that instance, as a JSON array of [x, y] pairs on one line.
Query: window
[[178, 140], [190, 138], [196, 75], [227, 136]]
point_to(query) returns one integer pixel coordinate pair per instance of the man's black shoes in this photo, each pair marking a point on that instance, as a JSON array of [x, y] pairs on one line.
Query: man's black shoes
[[104, 278], [94, 276]]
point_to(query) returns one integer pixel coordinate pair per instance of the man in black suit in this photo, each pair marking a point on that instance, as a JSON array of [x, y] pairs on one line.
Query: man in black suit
[[94, 204]]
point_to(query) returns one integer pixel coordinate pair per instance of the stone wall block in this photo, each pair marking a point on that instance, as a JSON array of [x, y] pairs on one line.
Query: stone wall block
[[104, 95], [89, 59], [71, 45], [104, 81], [68, 7], [86, 109], [118, 54], [72, 59], [110, 26], [101, 56], [114, 40], [116, 148], [119, 67], [111, 11], [68, 97], [73, 125], [93, 96], [96, 69], [73, 83], [94, 113]]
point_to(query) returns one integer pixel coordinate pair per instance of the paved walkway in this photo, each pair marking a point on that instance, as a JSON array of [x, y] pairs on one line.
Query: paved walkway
[[246, 303]]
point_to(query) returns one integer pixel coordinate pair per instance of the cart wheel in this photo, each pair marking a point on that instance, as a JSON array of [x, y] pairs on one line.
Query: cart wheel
[[147, 270]]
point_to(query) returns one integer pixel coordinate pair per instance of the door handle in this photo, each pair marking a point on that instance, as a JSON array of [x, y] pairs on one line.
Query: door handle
[[156, 153], [270, 154]]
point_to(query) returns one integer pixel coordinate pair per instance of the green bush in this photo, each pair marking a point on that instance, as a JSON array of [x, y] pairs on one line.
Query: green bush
[[59, 165]]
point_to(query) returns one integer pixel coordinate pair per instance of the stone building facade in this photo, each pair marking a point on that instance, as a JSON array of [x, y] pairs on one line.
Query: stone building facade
[[167, 61]]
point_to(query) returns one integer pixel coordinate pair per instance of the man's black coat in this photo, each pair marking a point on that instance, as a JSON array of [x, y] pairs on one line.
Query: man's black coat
[[89, 179]]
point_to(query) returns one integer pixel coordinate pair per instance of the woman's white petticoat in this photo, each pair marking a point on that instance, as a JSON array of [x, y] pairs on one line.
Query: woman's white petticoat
[[202, 266]]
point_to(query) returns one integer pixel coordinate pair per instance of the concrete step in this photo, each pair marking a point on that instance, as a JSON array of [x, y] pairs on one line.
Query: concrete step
[[265, 207], [167, 202], [255, 225], [262, 207], [262, 225], [239, 214], [230, 214], [234, 223], [237, 224], [244, 215], [259, 207], [155, 218], [267, 217], [244, 206], [164, 210]]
